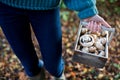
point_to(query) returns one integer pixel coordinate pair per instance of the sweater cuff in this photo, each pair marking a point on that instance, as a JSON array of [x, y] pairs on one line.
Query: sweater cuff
[[88, 12]]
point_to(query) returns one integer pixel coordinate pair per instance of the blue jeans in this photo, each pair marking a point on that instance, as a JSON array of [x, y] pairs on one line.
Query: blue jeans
[[46, 26]]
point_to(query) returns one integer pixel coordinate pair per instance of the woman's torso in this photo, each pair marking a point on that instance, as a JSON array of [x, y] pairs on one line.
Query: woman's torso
[[32, 4]]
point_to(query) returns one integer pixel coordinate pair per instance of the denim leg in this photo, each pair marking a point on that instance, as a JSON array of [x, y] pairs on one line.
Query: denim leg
[[17, 31], [47, 28]]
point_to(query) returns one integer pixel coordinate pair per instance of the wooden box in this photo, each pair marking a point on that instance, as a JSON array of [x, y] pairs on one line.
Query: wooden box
[[88, 58]]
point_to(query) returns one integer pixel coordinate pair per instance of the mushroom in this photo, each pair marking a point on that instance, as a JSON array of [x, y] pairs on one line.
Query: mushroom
[[96, 52], [99, 46], [103, 33], [102, 53], [86, 40], [92, 49], [84, 30], [85, 49], [94, 36], [98, 34], [103, 41]]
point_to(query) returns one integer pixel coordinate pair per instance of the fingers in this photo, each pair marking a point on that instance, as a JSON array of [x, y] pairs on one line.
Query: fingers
[[99, 27], [97, 19], [94, 26], [95, 23], [91, 26], [88, 25]]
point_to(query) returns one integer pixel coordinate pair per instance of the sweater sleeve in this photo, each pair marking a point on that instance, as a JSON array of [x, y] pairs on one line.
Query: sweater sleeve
[[86, 8]]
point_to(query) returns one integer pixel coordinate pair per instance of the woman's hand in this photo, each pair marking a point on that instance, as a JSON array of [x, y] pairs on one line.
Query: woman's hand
[[95, 22]]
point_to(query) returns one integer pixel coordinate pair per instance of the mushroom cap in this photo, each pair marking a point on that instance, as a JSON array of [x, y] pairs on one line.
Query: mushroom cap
[[85, 49], [92, 49], [84, 30], [86, 40], [94, 36], [103, 33], [102, 53], [103, 40], [99, 46]]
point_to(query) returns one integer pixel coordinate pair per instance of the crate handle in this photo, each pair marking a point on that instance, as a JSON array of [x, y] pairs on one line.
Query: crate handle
[[112, 30]]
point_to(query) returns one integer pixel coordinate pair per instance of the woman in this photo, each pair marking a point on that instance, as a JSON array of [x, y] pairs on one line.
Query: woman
[[43, 15]]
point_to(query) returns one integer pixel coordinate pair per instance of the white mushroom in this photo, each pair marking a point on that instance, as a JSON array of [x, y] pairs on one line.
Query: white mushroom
[[102, 53], [98, 34], [86, 40], [94, 36], [99, 46], [84, 30], [92, 49], [103, 41], [96, 52], [103, 33], [85, 49]]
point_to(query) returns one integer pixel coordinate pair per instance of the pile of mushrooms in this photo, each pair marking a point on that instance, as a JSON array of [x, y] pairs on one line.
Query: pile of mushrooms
[[93, 43]]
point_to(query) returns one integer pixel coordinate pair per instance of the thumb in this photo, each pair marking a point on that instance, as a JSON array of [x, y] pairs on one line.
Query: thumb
[[105, 23]]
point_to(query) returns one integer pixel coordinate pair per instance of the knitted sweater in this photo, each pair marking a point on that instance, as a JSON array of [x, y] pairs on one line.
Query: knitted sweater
[[86, 8]]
